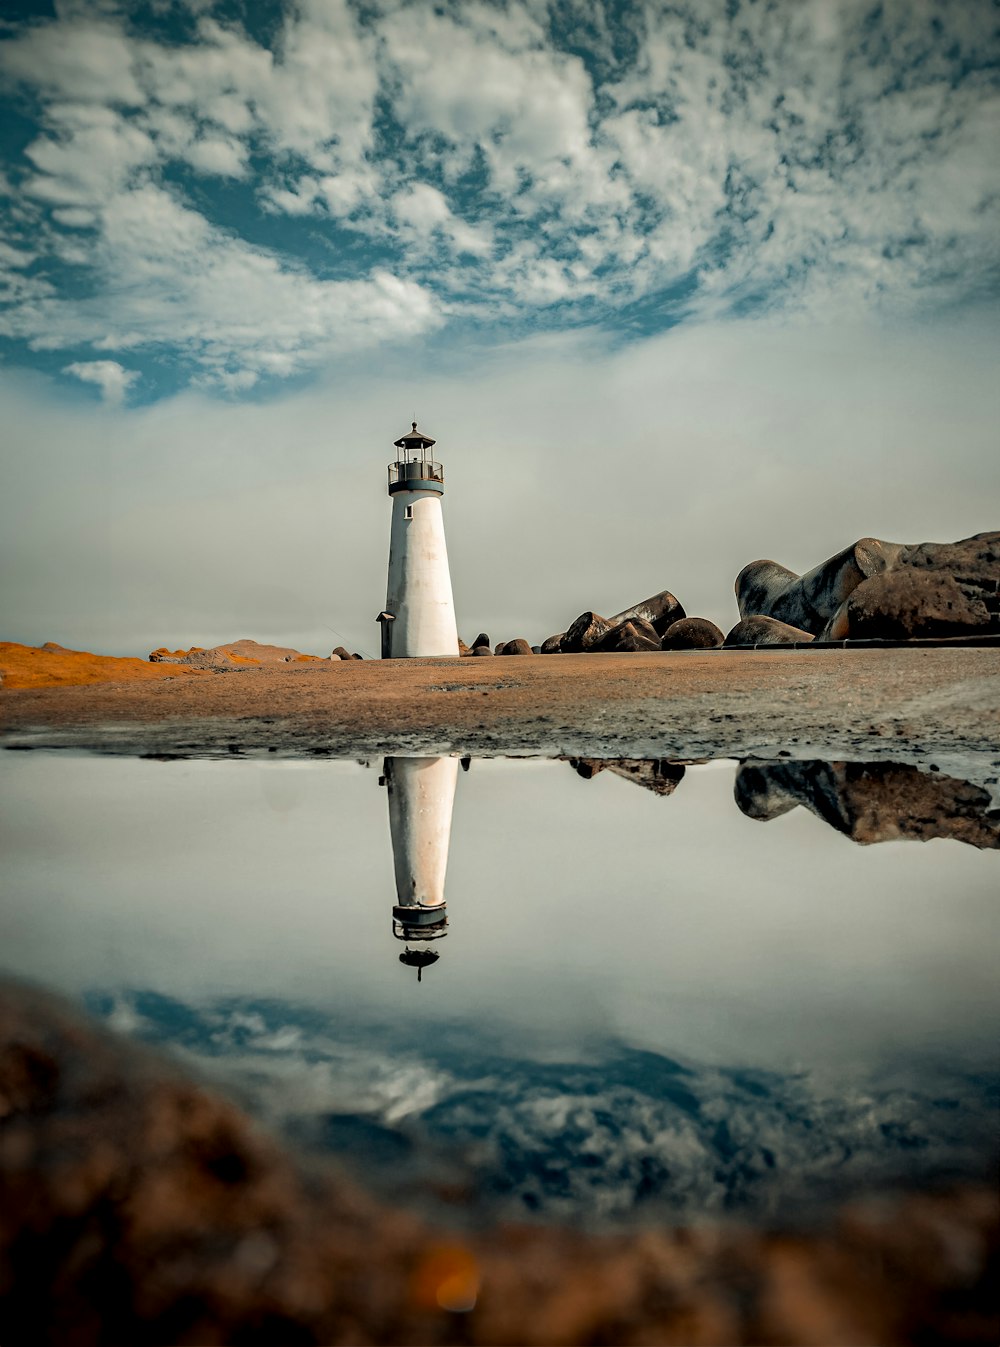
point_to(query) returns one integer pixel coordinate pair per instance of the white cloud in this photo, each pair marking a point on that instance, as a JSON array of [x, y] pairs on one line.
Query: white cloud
[[225, 158], [487, 86], [218, 75], [111, 378], [421, 213], [91, 153], [319, 100], [75, 58], [171, 277], [17, 258]]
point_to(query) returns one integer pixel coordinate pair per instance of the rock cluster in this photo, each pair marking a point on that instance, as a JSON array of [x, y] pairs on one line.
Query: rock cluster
[[241, 654], [874, 590], [657, 623]]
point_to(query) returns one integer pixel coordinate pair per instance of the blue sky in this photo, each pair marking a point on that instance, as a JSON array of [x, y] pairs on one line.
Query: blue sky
[[690, 233]]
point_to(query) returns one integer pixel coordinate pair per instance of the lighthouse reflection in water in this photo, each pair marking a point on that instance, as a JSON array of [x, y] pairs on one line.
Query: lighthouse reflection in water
[[421, 799]]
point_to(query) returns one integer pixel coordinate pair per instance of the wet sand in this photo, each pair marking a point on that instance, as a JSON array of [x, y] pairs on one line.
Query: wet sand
[[922, 706]]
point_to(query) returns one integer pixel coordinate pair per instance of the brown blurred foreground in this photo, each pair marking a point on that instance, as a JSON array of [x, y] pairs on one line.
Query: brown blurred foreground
[[137, 1206]]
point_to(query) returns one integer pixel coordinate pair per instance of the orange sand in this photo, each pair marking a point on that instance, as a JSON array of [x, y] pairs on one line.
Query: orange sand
[[50, 665]]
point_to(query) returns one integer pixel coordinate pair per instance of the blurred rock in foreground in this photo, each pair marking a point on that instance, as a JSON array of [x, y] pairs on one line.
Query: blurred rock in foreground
[[137, 1206]]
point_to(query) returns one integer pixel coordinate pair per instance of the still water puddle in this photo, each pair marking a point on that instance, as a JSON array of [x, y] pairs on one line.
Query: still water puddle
[[651, 991]]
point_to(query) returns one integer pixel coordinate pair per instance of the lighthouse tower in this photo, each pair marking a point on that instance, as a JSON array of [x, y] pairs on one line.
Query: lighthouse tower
[[419, 614], [421, 800]]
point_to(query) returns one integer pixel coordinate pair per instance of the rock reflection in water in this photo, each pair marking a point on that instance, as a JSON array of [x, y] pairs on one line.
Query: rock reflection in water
[[867, 801], [872, 801], [659, 775]]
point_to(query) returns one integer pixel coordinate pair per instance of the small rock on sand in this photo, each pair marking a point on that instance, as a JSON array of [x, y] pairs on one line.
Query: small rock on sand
[[692, 633], [765, 631]]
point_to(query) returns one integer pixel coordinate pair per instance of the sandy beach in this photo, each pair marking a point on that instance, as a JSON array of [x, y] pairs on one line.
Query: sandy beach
[[918, 706]]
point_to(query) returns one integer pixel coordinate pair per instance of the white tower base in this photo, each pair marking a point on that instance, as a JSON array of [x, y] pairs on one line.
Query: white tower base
[[419, 593]]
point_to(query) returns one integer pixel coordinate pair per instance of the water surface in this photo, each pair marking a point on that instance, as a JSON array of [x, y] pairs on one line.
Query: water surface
[[647, 1004]]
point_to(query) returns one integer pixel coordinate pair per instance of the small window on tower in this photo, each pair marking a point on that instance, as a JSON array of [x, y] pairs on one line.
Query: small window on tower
[[409, 512]]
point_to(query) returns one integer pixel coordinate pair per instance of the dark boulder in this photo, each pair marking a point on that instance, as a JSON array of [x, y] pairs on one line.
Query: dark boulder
[[636, 635], [765, 631], [481, 639], [342, 653], [482, 650], [933, 590], [809, 601], [552, 645], [692, 633], [586, 631], [662, 610], [498, 648], [516, 647], [760, 587]]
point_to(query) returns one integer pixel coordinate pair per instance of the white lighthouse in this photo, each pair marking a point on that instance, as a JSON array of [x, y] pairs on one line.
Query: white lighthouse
[[421, 800], [419, 614]]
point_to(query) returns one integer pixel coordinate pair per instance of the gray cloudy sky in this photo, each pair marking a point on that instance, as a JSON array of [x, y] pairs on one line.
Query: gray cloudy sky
[[675, 287], [576, 479]]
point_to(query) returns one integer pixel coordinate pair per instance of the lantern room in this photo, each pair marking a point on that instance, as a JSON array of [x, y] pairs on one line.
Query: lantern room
[[415, 468]]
